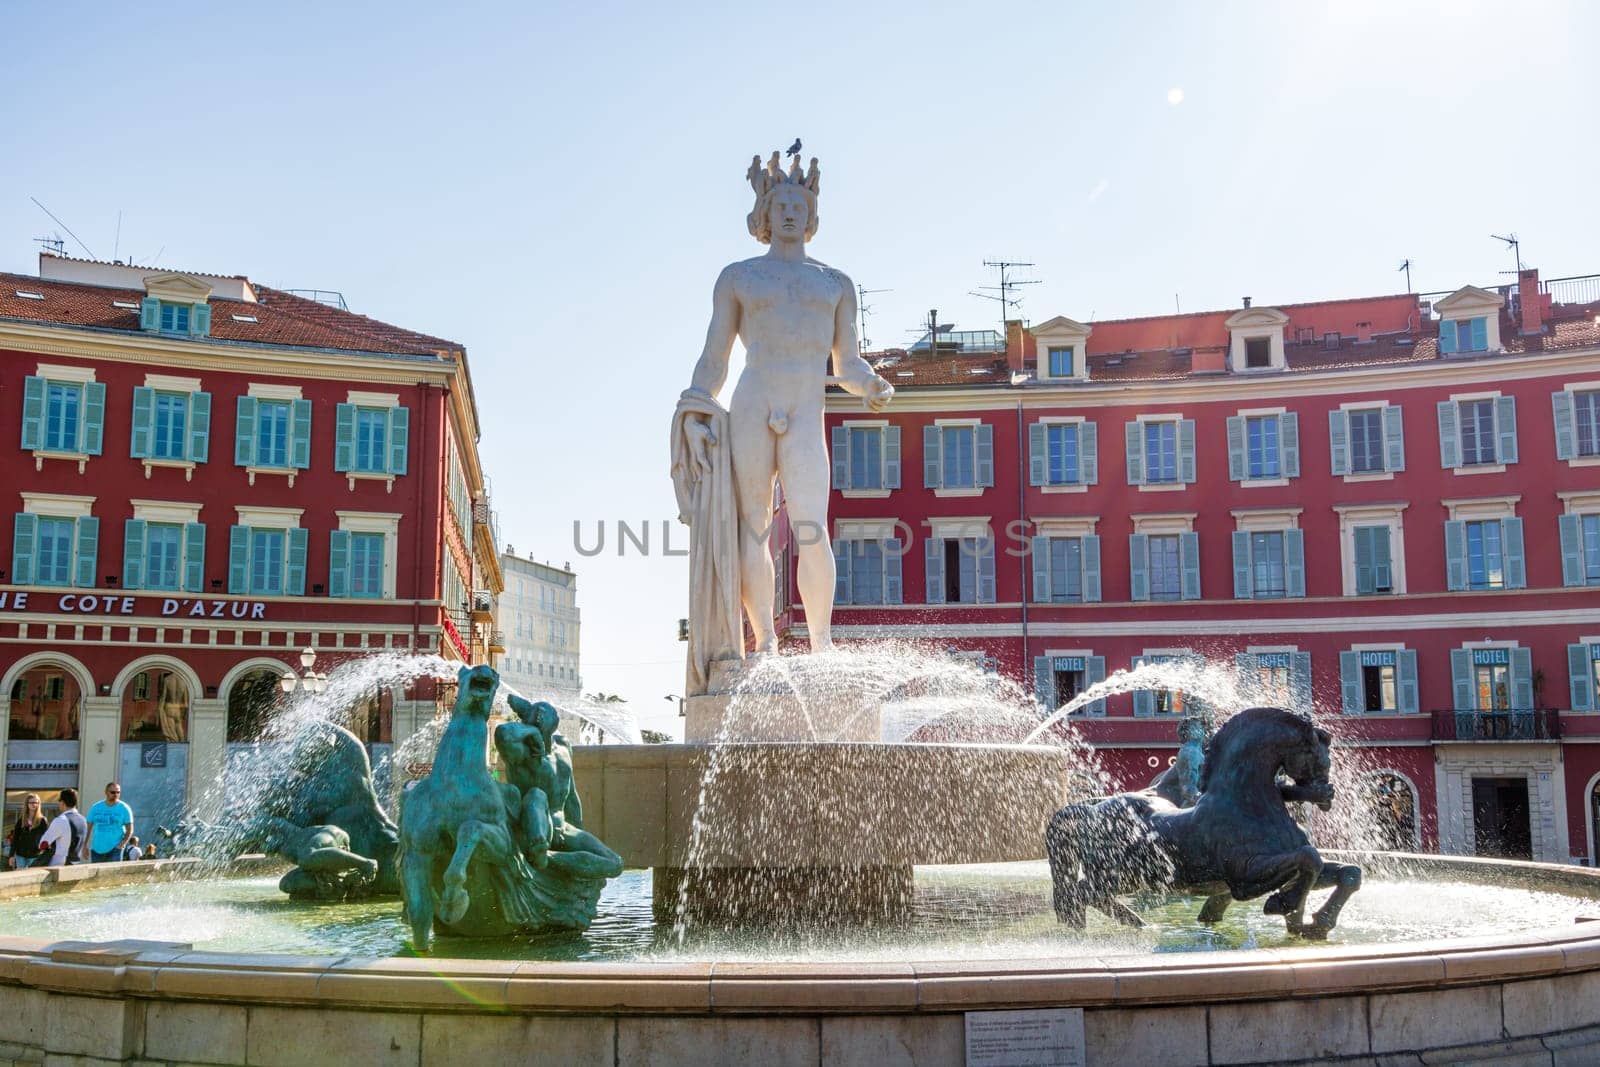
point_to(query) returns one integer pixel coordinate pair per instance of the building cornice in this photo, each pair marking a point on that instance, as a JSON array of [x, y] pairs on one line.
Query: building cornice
[[1491, 370]]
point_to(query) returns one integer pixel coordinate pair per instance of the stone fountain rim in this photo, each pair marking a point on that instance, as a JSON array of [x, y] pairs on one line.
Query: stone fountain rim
[[160, 970]]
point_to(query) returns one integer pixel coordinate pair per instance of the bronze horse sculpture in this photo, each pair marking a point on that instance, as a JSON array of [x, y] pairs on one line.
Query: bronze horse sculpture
[[1237, 842]]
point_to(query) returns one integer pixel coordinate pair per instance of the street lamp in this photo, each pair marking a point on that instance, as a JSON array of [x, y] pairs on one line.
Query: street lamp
[[310, 682], [674, 698]]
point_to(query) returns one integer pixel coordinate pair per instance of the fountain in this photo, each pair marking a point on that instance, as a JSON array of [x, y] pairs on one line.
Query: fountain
[[845, 862]]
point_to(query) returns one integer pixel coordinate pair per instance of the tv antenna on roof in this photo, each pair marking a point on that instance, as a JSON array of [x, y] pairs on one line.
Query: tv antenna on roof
[[1516, 248], [1405, 265], [54, 244], [64, 226], [1003, 292], [864, 309]]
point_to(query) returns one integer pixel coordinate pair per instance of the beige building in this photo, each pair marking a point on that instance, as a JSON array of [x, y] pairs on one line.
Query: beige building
[[539, 620]]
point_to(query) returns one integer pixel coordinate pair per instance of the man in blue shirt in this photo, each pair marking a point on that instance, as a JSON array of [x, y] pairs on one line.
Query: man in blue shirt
[[110, 826]]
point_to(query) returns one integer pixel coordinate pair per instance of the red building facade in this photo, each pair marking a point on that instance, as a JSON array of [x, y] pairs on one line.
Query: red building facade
[[1389, 507], [209, 476]]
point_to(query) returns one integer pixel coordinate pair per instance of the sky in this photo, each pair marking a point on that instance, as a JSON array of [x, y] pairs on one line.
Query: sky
[[556, 186]]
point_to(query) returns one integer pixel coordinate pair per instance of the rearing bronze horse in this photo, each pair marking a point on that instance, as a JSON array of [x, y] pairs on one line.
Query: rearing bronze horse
[[1238, 842]]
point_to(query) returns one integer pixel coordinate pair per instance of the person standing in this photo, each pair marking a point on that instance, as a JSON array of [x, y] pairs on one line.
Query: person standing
[[132, 850], [27, 833], [111, 827], [67, 833]]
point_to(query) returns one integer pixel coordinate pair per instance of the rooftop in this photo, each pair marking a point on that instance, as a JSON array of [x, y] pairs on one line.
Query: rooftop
[[105, 296], [1318, 336]]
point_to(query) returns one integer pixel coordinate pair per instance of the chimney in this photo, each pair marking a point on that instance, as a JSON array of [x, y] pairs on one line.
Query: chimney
[[1531, 301], [1247, 302], [1363, 332], [1021, 348]]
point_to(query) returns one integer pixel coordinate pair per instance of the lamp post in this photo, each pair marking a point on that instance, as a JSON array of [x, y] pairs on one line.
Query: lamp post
[[309, 682], [674, 698]]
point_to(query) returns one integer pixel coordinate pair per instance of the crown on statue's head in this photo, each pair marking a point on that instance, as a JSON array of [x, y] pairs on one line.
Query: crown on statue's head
[[763, 179]]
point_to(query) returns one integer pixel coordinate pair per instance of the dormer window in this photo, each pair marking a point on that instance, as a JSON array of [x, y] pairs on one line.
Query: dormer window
[[1469, 321], [1256, 339], [1063, 346], [175, 304]]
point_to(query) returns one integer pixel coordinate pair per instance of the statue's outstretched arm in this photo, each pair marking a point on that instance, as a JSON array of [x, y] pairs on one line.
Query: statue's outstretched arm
[[712, 370], [855, 374]]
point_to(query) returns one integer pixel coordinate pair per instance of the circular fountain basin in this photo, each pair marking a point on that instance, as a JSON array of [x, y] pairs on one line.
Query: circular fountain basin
[[1528, 989]]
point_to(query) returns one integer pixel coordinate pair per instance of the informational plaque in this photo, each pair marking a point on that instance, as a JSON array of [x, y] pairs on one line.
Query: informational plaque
[[1051, 1037]]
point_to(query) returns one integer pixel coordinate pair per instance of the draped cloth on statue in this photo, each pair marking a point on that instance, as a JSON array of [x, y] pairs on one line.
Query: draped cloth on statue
[[707, 505]]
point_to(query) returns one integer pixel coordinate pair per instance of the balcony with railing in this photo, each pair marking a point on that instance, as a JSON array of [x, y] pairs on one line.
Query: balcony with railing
[[1498, 724]]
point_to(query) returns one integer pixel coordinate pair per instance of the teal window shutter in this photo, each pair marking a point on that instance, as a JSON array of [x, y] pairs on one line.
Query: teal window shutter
[[24, 548], [194, 557], [1522, 678], [1189, 557], [933, 569], [144, 417], [344, 437], [1091, 568], [841, 572], [1515, 559], [1289, 444], [891, 457], [200, 321], [150, 314], [1133, 447], [1236, 469], [840, 452], [1561, 403], [1572, 572], [1093, 676], [238, 559], [339, 563], [1382, 560], [1300, 679], [33, 388], [1447, 337], [1352, 696], [1044, 683], [1580, 677], [399, 439], [1138, 566], [199, 427], [1186, 464], [986, 583], [294, 582], [1461, 678], [1480, 335], [931, 460], [1455, 555], [893, 576], [1294, 562], [1449, 435], [1040, 549], [1037, 454], [300, 449], [1505, 417], [1394, 439], [133, 554], [1338, 441], [1366, 576], [1406, 671], [1088, 453], [985, 455], [94, 417], [87, 550], [1144, 700], [1241, 565], [244, 438]]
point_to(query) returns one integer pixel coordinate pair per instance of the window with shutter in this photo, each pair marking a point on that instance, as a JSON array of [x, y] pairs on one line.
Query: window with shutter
[[53, 560], [1366, 440], [273, 429], [958, 452], [1479, 439], [1485, 557], [1165, 567], [1262, 455], [63, 417], [1586, 422]]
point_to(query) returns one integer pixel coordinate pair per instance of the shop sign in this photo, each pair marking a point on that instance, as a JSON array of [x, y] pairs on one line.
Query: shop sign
[[1377, 659], [1273, 660], [1068, 663], [1491, 657], [122, 604]]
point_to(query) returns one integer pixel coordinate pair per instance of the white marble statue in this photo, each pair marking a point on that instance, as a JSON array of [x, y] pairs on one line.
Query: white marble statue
[[793, 315]]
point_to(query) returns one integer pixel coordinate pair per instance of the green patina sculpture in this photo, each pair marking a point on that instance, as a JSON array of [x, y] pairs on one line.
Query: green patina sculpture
[[481, 858], [325, 867]]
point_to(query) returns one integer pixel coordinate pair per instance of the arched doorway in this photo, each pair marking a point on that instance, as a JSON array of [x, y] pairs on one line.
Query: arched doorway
[[153, 741], [44, 725], [252, 700], [1594, 821], [1390, 807]]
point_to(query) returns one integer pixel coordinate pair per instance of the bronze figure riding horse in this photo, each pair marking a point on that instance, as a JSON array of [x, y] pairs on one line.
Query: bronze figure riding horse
[[1238, 842]]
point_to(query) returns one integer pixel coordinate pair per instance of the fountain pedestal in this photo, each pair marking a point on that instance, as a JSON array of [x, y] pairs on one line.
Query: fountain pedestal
[[826, 830], [740, 706]]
